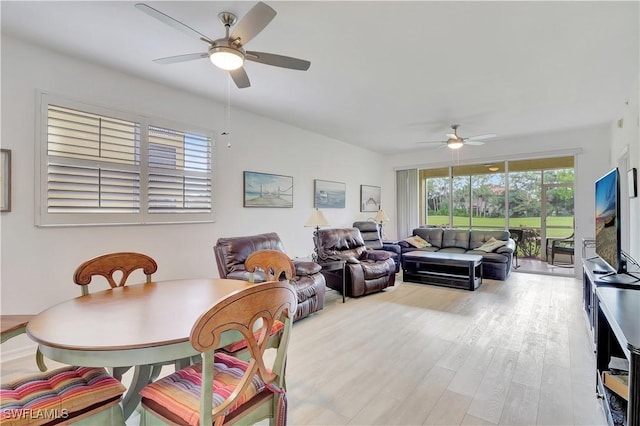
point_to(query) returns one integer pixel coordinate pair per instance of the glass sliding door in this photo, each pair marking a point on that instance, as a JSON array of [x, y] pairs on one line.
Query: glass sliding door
[[461, 199], [435, 190], [525, 195], [540, 205], [557, 207], [479, 196]]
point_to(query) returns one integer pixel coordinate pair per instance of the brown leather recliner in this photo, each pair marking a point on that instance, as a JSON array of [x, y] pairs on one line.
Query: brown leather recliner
[[367, 271], [309, 283], [370, 232]]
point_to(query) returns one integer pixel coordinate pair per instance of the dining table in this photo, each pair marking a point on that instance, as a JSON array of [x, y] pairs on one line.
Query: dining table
[[142, 325]]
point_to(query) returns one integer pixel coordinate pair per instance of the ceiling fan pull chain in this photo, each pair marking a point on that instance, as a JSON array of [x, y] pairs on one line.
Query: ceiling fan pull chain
[[227, 113]]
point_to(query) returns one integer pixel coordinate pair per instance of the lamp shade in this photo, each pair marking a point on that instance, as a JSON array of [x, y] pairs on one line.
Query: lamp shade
[[381, 216], [317, 219]]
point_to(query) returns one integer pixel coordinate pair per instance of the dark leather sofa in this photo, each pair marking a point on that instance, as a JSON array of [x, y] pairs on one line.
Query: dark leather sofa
[[370, 232], [309, 283], [495, 264], [367, 271]]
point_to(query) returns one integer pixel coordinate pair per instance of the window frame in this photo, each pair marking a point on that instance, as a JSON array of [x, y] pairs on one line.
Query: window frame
[[44, 218]]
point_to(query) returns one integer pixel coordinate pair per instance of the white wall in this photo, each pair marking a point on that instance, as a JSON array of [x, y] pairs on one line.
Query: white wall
[[592, 162], [627, 139], [38, 263]]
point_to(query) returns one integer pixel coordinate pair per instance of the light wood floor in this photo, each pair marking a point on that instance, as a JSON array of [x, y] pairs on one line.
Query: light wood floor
[[510, 353], [536, 266], [513, 353]]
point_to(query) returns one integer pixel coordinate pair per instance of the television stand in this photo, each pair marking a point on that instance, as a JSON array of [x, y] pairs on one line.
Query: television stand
[[618, 334], [612, 306], [595, 273]]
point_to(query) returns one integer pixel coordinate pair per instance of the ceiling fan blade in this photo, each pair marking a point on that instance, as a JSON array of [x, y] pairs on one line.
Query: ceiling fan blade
[[470, 142], [482, 137], [181, 58], [240, 78], [172, 22], [278, 60], [252, 23]]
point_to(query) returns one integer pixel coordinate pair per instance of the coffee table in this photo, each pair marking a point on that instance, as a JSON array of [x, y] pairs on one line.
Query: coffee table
[[446, 269]]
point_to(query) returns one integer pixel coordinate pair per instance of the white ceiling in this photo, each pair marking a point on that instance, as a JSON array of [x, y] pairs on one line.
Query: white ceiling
[[384, 75]]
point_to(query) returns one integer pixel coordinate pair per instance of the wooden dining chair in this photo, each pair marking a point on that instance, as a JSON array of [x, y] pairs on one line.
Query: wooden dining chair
[[110, 266], [223, 389], [274, 264]]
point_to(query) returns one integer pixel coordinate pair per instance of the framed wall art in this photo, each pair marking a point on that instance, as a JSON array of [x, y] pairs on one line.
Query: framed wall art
[[5, 180], [267, 190], [328, 194], [369, 198]]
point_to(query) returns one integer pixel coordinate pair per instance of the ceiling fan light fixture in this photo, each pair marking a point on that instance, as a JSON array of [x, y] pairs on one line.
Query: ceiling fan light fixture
[[226, 58], [455, 143]]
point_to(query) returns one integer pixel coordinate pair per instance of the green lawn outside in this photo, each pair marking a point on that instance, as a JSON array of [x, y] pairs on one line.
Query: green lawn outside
[[565, 223]]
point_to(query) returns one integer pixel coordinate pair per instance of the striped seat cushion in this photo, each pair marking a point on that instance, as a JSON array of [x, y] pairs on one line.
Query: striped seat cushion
[[179, 393], [241, 344], [34, 400]]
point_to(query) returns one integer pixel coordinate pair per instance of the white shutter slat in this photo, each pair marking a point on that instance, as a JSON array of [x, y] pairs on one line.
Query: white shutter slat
[[180, 172]]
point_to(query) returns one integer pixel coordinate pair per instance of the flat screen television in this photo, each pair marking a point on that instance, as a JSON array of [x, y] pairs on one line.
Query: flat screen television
[[608, 244]]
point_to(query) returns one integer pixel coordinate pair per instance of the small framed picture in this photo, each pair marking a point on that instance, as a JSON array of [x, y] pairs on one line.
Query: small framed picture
[[5, 180], [632, 182], [369, 198], [328, 194], [267, 190]]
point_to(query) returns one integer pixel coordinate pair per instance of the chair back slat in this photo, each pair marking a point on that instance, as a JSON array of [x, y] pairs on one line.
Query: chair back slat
[[109, 264]]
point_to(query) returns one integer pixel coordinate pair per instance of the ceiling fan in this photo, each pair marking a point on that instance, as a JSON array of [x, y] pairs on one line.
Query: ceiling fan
[[456, 142], [228, 52]]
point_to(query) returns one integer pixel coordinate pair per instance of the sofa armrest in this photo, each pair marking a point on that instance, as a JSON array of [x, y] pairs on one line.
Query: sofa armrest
[[392, 247], [403, 244], [510, 247], [375, 255], [306, 267]]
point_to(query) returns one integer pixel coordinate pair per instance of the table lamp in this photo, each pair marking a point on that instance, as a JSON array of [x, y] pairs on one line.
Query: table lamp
[[381, 217], [316, 220]]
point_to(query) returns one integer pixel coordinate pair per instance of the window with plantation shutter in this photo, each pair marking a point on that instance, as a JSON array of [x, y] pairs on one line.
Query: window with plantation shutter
[[99, 166]]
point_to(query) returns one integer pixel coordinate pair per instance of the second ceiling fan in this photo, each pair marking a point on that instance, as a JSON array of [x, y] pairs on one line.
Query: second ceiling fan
[[228, 53], [456, 142]]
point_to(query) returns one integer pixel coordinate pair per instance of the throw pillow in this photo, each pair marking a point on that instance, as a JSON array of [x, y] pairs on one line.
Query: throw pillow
[[491, 244], [417, 242]]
